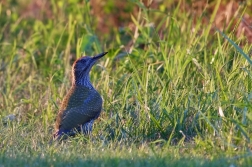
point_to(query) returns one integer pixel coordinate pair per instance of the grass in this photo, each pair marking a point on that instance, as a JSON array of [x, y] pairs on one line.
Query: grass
[[163, 95]]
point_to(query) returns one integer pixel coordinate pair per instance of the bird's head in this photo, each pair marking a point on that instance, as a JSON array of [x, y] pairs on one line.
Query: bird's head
[[82, 67]]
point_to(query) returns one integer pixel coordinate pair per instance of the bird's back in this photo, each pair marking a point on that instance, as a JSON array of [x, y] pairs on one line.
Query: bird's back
[[79, 106]]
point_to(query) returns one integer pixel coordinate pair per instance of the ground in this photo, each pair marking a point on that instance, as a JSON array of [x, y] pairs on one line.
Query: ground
[[176, 83]]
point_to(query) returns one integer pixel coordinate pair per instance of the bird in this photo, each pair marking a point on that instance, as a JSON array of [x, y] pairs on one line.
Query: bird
[[82, 104]]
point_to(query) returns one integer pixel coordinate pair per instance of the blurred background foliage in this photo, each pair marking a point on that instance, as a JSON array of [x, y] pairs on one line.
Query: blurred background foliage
[[115, 23], [110, 16]]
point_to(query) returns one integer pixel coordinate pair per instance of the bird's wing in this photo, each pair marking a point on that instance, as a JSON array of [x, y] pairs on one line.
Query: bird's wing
[[80, 102], [73, 118], [79, 115]]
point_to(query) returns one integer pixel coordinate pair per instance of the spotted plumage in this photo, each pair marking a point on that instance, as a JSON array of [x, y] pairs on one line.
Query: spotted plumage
[[83, 104]]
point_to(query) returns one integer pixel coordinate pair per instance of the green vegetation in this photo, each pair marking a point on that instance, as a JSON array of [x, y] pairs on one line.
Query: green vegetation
[[176, 92]]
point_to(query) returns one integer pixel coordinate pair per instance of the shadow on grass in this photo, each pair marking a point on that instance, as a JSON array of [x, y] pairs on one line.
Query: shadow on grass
[[106, 160]]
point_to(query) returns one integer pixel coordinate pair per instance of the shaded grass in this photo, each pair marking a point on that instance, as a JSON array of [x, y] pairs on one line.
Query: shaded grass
[[134, 159], [162, 95]]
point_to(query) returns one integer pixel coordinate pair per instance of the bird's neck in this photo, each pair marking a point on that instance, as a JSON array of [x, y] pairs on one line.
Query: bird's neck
[[84, 81]]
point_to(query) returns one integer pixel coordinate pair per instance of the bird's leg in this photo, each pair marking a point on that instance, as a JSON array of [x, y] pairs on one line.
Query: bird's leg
[[86, 128]]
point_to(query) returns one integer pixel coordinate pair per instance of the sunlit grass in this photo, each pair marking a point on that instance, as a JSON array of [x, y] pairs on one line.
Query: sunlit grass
[[183, 99]]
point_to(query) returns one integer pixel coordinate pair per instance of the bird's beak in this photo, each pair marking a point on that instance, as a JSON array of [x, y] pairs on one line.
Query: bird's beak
[[99, 56]]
